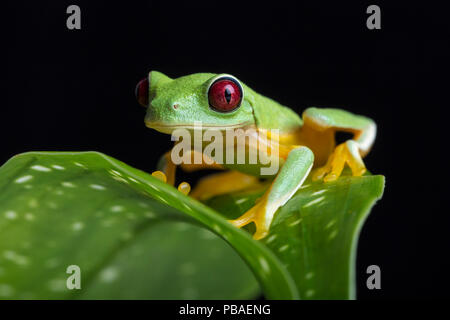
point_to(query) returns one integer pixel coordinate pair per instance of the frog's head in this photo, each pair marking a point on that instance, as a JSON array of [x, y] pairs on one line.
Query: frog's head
[[216, 100]]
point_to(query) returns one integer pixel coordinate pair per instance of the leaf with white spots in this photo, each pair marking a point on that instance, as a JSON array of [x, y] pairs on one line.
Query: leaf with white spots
[[315, 233], [133, 236]]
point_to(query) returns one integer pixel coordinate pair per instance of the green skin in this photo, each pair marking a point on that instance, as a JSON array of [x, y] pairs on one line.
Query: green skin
[[190, 95]]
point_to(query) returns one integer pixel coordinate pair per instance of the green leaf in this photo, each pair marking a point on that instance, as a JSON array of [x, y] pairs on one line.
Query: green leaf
[[315, 234], [136, 237], [132, 235]]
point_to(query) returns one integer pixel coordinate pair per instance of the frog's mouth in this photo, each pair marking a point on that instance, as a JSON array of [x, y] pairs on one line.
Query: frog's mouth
[[170, 128]]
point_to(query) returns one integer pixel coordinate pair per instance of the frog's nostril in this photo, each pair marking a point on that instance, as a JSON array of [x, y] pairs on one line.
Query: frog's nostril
[[142, 92]]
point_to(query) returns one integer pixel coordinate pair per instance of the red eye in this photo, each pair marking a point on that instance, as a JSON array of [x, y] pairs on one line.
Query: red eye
[[225, 94], [142, 92]]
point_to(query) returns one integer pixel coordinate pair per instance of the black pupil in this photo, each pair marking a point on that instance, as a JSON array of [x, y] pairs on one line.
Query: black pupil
[[228, 95]]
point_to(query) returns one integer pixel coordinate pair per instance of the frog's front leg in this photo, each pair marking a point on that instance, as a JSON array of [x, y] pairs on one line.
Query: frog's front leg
[[166, 173], [166, 169], [290, 177]]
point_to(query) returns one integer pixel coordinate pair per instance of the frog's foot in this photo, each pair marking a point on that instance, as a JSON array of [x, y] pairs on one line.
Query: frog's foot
[[222, 183], [183, 187], [345, 153], [290, 177], [256, 214]]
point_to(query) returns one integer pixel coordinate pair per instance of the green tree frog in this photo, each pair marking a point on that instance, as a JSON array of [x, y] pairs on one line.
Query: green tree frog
[[223, 102]]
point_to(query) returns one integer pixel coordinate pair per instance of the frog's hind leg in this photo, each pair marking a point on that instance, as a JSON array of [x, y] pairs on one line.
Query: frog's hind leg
[[345, 153], [290, 177], [320, 126], [221, 183]]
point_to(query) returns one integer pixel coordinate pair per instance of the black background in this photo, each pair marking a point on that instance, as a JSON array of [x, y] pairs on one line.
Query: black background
[[74, 90]]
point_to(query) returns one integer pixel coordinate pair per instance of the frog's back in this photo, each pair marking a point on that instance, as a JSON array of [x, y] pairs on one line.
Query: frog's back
[[269, 114]]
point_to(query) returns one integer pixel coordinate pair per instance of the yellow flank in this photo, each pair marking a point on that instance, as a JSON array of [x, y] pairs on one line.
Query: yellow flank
[[284, 138], [284, 142], [190, 166]]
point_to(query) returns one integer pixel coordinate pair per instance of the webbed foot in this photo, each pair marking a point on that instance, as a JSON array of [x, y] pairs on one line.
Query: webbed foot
[[345, 153], [256, 214]]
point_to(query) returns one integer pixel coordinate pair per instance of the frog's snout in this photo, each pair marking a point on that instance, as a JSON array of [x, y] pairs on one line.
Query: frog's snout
[[142, 92]]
